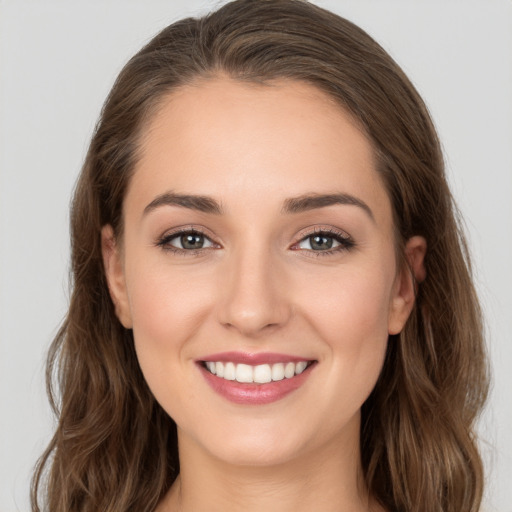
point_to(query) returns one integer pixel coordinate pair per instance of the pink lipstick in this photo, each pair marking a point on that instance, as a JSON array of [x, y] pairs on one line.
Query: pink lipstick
[[246, 378]]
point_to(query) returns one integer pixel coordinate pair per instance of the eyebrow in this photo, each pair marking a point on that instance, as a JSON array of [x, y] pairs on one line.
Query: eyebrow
[[200, 203], [298, 204], [308, 202]]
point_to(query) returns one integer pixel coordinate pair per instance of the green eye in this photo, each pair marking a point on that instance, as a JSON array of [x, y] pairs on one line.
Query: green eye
[[189, 241], [325, 242], [185, 241], [319, 242]]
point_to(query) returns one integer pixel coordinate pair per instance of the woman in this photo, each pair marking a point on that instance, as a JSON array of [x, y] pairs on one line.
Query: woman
[[272, 305]]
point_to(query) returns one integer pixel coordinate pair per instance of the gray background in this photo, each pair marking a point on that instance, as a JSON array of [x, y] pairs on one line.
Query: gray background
[[58, 60]]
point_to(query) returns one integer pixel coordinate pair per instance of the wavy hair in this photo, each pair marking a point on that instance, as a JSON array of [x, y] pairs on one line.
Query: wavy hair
[[114, 448]]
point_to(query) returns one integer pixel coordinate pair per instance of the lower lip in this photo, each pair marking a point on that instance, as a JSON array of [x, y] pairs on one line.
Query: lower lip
[[255, 394]]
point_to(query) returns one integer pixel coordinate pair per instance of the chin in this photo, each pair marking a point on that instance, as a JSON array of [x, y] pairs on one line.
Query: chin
[[257, 454], [254, 446]]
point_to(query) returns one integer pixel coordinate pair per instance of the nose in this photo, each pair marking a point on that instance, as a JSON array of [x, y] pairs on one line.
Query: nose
[[254, 294]]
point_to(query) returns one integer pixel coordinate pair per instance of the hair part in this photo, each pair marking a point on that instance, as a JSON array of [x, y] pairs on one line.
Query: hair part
[[114, 447]]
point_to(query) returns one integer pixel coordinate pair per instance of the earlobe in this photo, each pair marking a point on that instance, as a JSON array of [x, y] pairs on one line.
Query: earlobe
[[404, 293], [114, 273]]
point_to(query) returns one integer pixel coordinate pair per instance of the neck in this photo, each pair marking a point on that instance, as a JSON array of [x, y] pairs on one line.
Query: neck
[[328, 479]]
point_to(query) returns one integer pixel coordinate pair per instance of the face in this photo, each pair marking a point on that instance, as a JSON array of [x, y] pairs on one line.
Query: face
[[258, 270]]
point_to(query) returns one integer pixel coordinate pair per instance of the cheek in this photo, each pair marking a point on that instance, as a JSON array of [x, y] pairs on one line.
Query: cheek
[[167, 309], [352, 306], [165, 301], [350, 314]]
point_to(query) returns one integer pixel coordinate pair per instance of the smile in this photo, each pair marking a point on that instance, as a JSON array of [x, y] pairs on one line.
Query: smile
[[260, 374], [255, 379]]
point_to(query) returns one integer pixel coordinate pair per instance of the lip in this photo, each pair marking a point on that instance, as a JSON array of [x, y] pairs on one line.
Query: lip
[[253, 359], [251, 393]]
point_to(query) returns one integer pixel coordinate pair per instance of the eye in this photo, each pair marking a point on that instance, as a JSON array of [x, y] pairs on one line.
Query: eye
[[325, 242], [318, 243], [189, 240]]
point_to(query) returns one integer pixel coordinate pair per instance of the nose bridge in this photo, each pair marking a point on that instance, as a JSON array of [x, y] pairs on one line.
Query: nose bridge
[[254, 298]]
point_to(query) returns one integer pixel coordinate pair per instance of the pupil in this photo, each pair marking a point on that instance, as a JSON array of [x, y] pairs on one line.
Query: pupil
[[321, 242], [192, 241]]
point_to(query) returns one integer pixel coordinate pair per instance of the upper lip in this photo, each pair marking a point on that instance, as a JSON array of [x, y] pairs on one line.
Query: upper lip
[[253, 359]]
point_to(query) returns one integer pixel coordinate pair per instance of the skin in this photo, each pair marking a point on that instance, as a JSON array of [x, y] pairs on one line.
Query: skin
[[258, 286]]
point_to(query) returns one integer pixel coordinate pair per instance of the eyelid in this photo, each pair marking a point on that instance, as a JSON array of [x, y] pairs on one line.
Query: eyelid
[[163, 240], [319, 229], [346, 242]]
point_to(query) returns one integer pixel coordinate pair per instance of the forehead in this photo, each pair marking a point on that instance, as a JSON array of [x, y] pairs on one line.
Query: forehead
[[242, 141]]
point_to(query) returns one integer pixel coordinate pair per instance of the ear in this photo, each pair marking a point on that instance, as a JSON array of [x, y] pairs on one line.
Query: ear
[[114, 273], [404, 291]]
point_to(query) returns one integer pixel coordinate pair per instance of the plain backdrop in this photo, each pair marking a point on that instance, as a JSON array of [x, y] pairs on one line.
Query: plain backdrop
[[58, 60]]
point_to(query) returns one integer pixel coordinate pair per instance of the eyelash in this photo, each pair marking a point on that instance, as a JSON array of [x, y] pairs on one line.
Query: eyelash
[[345, 241], [165, 241]]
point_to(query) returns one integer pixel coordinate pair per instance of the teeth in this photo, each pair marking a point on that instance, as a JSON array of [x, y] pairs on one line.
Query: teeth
[[300, 367], [259, 374], [289, 370], [229, 371], [262, 373], [244, 373], [278, 371]]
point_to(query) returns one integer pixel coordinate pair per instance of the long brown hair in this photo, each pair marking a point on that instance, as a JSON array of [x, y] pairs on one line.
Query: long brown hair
[[115, 449]]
